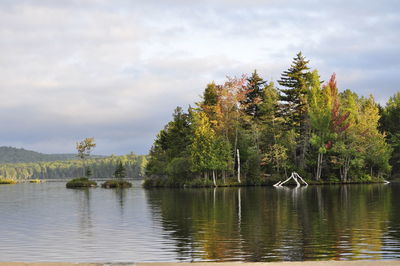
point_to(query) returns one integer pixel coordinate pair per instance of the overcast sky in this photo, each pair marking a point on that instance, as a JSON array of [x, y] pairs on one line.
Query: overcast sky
[[115, 70]]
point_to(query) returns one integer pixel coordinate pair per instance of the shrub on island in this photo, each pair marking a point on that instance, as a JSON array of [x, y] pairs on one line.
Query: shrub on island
[[82, 182], [7, 182], [116, 184]]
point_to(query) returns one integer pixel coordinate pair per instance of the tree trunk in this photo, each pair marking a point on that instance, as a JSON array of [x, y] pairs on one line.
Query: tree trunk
[[255, 136], [84, 168], [238, 162], [214, 180], [345, 168], [319, 166], [234, 148], [206, 176]]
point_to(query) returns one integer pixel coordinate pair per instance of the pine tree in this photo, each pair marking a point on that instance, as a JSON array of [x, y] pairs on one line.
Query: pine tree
[[294, 97], [120, 171], [254, 95], [391, 126], [294, 107], [210, 96]]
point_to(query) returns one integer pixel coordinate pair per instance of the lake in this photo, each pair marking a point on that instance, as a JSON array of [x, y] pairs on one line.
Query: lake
[[47, 222]]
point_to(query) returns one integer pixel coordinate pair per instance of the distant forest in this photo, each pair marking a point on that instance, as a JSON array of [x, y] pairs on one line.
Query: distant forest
[[249, 130], [15, 155], [33, 165]]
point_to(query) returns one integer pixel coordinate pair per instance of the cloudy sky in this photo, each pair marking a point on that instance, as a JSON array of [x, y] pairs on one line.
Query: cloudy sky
[[115, 70]]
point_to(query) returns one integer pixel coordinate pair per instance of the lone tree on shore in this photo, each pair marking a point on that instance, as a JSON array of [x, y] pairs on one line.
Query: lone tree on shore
[[120, 171], [84, 148]]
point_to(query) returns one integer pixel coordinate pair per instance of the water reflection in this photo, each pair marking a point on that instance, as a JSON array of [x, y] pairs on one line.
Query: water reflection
[[268, 224], [120, 194], [83, 197], [48, 222]]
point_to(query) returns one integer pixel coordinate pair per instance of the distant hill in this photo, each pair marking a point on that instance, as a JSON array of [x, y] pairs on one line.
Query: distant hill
[[15, 155]]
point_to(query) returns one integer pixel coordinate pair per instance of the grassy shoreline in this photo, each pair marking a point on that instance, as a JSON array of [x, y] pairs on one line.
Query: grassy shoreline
[[115, 183], [7, 182], [282, 263], [201, 183], [81, 182]]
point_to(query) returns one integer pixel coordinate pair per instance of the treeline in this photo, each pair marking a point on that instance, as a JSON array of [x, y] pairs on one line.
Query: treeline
[[390, 124], [249, 130], [100, 168]]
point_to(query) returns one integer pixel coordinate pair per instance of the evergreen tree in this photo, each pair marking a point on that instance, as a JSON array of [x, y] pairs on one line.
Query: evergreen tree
[[254, 95], [171, 142], [294, 107], [120, 171], [209, 105], [210, 96], [88, 172], [390, 124], [246, 124], [295, 79]]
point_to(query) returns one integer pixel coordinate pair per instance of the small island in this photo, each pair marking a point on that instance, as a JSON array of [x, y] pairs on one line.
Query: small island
[[247, 131], [118, 182], [84, 148], [81, 182]]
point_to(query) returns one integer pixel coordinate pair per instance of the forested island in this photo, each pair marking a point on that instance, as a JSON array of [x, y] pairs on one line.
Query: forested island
[[248, 131]]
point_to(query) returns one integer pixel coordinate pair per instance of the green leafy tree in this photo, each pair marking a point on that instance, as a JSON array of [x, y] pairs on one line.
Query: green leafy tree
[[202, 147], [277, 156], [377, 151], [320, 113], [84, 149]]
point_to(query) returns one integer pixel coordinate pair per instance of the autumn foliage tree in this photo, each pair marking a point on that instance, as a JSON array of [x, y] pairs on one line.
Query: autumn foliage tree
[[84, 148], [247, 130]]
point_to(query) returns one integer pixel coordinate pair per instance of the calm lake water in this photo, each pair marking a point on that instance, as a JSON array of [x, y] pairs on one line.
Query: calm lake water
[[47, 222]]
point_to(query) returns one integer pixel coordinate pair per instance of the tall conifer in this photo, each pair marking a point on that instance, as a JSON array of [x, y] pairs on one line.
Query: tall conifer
[[294, 107]]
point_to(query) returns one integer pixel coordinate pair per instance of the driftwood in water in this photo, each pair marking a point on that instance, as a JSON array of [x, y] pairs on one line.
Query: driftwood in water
[[295, 176]]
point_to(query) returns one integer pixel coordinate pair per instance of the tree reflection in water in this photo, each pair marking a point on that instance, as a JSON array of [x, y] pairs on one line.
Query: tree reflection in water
[[83, 197], [269, 224]]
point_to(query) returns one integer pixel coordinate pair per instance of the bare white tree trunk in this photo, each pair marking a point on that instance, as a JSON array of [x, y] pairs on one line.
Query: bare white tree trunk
[[346, 168], [238, 162], [299, 177], [214, 180], [319, 166], [293, 176], [234, 149]]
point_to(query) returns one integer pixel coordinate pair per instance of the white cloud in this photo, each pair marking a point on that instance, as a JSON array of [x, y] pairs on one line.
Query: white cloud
[[115, 70]]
